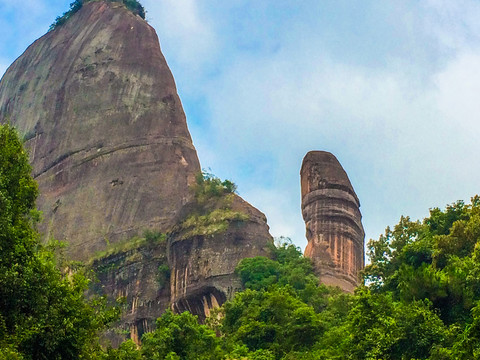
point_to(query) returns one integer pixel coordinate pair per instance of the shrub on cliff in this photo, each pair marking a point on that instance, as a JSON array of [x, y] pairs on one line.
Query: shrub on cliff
[[133, 5], [207, 186], [212, 210]]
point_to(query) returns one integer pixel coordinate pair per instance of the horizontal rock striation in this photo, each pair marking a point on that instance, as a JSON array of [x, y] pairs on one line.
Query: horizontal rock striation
[[331, 212], [204, 261], [107, 134]]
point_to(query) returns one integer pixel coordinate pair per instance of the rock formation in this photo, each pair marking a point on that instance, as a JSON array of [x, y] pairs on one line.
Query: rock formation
[[331, 212], [139, 272], [204, 274], [107, 134], [111, 152]]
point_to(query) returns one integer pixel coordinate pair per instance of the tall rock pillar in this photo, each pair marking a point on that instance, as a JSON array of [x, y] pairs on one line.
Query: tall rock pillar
[[331, 212]]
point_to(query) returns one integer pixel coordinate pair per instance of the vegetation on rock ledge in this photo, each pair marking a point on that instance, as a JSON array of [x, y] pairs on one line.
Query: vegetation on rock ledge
[[214, 222], [133, 5], [212, 211], [150, 238]]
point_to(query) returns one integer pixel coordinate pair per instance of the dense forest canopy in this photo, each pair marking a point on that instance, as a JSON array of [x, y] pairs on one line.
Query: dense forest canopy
[[420, 299]]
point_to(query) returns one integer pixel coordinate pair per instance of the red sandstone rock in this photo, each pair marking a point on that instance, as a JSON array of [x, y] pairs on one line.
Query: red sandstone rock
[[106, 131], [331, 212], [112, 155], [205, 263]]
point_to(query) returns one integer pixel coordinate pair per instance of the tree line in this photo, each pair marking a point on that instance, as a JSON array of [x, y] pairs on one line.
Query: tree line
[[420, 297]]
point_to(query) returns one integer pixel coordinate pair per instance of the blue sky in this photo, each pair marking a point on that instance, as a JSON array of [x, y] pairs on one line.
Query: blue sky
[[389, 87]]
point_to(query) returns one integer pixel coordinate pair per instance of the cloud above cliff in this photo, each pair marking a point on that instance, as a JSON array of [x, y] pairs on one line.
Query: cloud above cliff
[[389, 87], [184, 29]]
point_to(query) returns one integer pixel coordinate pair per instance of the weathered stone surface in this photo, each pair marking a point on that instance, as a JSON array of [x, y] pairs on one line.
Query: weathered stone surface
[[113, 157], [139, 273], [204, 263], [106, 131], [331, 212]]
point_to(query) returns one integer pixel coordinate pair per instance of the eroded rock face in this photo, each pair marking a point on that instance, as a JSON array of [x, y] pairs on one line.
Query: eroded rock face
[[113, 157], [140, 274], [106, 131], [331, 212], [204, 261]]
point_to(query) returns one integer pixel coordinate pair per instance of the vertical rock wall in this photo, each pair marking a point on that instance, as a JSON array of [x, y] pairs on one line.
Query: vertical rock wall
[[139, 273], [108, 139], [203, 262], [331, 212]]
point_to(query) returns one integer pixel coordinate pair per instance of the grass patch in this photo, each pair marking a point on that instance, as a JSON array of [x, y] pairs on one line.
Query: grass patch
[[214, 222], [149, 238]]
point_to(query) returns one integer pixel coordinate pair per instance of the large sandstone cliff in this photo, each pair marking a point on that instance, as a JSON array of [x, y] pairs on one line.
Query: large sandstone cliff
[[107, 134], [110, 149]]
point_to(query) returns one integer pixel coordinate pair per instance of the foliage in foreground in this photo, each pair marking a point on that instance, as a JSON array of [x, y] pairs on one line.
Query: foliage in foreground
[[43, 311], [421, 299]]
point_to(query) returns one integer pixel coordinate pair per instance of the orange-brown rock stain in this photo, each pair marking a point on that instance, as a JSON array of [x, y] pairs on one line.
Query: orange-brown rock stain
[[331, 212]]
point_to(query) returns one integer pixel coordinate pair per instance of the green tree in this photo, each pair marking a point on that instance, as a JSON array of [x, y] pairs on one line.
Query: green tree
[[286, 266], [435, 262], [381, 328], [43, 311], [181, 337], [274, 320], [432, 260], [128, 350]]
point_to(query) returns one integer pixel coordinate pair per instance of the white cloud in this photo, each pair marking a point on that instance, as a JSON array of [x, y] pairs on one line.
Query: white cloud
[[454, 23], [406, 146], [459, 86], [184, 31]]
